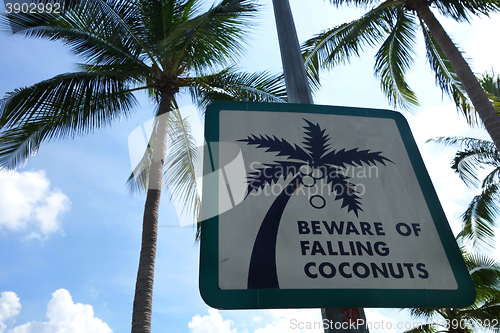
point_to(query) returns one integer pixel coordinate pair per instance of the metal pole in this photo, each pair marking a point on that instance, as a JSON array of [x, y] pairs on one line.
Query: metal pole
[[298, 91]]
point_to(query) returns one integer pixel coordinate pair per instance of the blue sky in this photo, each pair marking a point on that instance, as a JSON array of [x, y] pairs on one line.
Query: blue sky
[[70, 232]]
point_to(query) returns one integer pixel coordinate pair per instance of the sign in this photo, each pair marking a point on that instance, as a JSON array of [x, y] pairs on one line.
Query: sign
[[322, 206]]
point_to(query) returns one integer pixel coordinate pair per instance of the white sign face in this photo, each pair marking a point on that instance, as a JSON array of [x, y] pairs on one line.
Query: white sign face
[[329, 202], [386, 241]]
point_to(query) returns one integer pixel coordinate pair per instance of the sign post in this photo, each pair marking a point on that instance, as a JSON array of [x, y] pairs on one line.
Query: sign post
[[298, 89]]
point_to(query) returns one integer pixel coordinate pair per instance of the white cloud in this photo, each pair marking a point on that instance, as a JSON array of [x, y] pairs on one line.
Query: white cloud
[[64, 316], [9, 307], [213, 323], [28, 204]]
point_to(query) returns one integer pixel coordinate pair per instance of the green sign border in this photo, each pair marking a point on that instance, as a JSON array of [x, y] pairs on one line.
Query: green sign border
[[326, 298]]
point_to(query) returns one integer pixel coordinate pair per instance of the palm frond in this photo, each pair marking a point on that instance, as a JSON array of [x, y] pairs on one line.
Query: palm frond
[[183, 166], [211, 38], [492, 178], [446, 77], [479, 220], [338, 44], [462, 10], [423, 313], [475, 154], [465, 143], [101, 32], [138, 179], [394, 59], [484, 270], [491, 85], [357, 3], [64, 106], [230, 85]]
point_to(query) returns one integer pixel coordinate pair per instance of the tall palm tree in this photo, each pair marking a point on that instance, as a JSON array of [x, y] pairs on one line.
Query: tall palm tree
[[307, 166], [483, 314], [394, 25], [161, 46]]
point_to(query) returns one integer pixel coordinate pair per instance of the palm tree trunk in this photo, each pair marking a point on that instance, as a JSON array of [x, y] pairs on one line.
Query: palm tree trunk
[[483, 106], [262, 273], [143, 298]]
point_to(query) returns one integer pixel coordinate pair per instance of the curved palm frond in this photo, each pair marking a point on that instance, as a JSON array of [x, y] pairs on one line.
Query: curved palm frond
[[64, 106], [475, 154], [479, 220], [101, 32], [336, 45], [184, 165], [211, 38], [462, 10], [394, 59], [491, 85], [230, 85], [446, 77], [484, 270], [181, 169], [357, 3]]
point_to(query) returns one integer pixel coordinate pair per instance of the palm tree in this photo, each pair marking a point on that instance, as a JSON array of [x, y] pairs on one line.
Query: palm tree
[[394, 25], [307, 166], [161, 46], [483, 314]]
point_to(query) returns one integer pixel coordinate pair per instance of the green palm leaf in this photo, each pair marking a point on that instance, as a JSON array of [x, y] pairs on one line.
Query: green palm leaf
[[64, 106], [479, 220], [98, 31], [182, 169], [491, 86], [212, 37], [394, 59], [338, 44], [230, 85], [462, 10], [475, 154]]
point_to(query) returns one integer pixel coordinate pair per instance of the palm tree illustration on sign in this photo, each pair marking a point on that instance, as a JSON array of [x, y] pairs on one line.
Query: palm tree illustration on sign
[[315, 162]]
